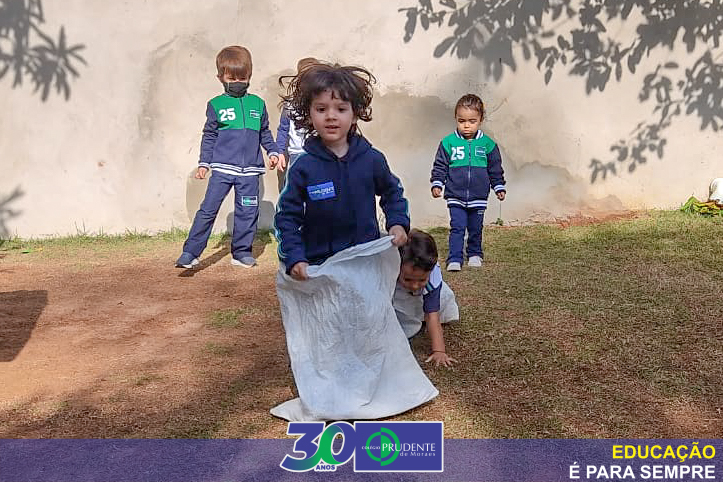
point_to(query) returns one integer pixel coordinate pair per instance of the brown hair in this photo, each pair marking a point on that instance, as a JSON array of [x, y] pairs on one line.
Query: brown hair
[[350, 84], [473, 102], [305, 63], [234, 61], [420, 250]]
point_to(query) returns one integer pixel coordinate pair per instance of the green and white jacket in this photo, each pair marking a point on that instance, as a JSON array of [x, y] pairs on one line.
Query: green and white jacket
[[235, 129], [467, 169]]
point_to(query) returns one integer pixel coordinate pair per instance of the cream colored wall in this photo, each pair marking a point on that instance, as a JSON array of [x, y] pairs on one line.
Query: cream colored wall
[[119, 153]]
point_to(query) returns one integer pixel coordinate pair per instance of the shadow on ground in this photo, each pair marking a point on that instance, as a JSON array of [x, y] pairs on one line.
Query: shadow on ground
[[19, 313]]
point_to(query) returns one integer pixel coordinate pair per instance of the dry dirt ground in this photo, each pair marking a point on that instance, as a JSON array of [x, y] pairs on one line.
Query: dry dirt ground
[[113, 341], [122, 344], [126, 346]]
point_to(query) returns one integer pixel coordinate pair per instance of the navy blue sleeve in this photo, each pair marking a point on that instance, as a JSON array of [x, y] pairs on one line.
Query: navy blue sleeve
[[267, 138], [495, 171], [389, 188], [432, 291], [289, 220], [440, 168], [282, 133], [210, 134], [431, 300]]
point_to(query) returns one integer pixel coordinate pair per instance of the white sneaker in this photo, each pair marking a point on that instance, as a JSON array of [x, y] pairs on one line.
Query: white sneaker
[[246, 262], [454, 266], [475, 262], [187, 260]]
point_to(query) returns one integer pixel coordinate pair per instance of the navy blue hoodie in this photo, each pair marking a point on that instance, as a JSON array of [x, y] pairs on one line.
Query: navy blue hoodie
[[329, 203]]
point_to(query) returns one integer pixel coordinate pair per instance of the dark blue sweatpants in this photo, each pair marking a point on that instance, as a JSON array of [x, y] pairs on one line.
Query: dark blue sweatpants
[[245, 213], [461, 220]]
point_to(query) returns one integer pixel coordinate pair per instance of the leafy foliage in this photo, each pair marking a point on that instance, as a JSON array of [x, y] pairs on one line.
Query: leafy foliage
[[27, 52], [562, 34], [709, 208]]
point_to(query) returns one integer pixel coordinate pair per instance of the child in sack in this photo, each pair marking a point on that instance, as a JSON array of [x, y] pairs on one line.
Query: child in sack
[[328, 210], [329, 202]]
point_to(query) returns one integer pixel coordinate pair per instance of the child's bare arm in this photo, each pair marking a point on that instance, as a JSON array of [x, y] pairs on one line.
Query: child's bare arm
[[439, 353]]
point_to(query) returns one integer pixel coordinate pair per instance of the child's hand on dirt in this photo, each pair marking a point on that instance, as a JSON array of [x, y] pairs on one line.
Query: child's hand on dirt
[[500, 195], [298, 271], [201, 173], [273, 160], [399, 235], [441, 358], [282, 162], [436, 192]]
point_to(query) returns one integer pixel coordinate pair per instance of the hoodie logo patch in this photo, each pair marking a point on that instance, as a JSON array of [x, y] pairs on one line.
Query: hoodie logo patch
[[249, 201], [319, 192]]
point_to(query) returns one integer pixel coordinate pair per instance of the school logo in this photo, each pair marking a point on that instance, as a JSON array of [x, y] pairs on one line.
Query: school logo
[[315, 443], [399, 447], [374, 446], [254, 114], [249, 201], [320, 192], [383, 446]]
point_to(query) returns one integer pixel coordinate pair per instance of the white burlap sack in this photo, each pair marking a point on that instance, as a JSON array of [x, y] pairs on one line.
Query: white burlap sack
[[349, 355], [716, 190]]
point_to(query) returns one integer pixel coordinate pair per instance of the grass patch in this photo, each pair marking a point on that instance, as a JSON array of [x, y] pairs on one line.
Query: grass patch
[[218, 349], [226, 318], [89, 240], [94, 247], [233, 318], [144, 380], [104, 245], [603, 322]]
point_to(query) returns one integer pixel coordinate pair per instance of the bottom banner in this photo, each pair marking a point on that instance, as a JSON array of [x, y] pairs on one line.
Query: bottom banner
[[126, 460]]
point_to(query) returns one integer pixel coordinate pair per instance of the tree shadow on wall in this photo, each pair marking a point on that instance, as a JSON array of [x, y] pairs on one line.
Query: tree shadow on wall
[[29, 54], [558, 36], [7, 213]]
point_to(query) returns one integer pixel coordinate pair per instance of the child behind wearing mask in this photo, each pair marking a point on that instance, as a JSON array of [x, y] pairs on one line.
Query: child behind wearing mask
[[237, 124]]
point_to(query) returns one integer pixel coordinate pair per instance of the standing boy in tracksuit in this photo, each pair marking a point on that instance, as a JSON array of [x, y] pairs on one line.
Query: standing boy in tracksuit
[[237, 124]]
